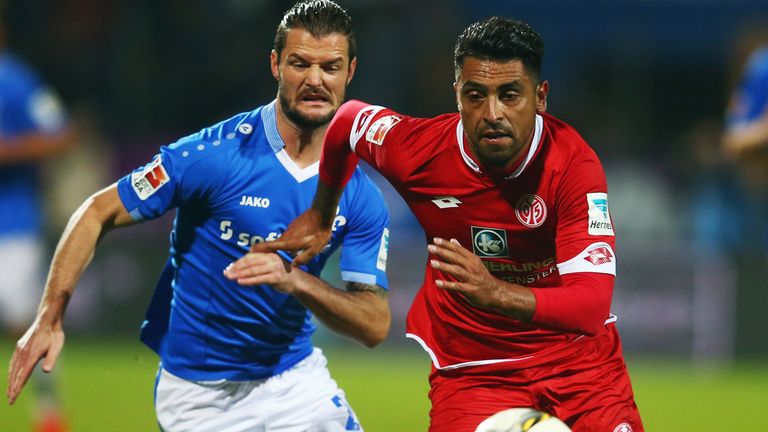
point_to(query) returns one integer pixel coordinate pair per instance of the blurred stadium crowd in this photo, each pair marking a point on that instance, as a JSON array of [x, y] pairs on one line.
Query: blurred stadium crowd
[[646, 82]]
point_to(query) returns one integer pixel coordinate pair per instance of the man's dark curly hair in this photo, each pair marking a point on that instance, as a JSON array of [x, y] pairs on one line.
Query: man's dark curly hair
[[318, 17], [501, 39]]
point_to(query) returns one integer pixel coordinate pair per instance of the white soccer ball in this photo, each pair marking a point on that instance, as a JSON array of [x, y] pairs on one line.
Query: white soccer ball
[[522, 420]]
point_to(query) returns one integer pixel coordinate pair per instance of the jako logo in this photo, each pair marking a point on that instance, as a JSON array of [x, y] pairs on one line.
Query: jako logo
[[254, 201], [489, 242]]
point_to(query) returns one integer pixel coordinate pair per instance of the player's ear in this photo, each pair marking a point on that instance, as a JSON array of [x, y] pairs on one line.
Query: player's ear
[[352, 67], [458, 96], [274, 64], [541, 96]]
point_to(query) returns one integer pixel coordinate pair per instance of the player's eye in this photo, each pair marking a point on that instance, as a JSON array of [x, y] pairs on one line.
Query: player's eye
[[474, 96], [510, 96]]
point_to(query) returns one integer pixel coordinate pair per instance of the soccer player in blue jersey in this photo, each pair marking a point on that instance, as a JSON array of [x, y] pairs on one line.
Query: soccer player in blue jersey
[[234, 357], [33, 128]]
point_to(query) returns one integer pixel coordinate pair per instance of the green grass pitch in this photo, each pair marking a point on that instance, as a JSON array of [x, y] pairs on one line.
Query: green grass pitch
[[108, 386]]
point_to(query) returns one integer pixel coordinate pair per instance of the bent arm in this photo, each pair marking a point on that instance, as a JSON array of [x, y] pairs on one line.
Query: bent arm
[[580, 304], [45, 337], [362, 312], [35, 147]]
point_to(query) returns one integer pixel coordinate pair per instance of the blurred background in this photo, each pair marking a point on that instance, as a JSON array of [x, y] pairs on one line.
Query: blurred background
[[646, 82]]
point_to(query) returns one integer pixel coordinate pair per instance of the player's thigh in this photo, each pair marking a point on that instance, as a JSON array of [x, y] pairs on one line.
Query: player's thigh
[[183, 405], [459, 404], [302, 399], [591, 391], [21, 280], [307, 399]]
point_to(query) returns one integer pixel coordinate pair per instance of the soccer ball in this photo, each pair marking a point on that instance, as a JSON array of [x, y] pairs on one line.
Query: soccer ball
[[522, 420]]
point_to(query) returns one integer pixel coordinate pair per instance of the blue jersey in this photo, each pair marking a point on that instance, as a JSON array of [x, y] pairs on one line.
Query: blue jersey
[[26, 106], [751, 97], [233, 185]]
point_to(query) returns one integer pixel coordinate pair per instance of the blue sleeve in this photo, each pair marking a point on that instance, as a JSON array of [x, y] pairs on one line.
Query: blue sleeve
[[30, 105], [186, 171], [751, 98], [366, 241]]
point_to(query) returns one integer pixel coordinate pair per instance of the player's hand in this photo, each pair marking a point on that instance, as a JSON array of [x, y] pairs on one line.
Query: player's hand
[[306, 236], [470, 278], [256, 268], [39, 342]]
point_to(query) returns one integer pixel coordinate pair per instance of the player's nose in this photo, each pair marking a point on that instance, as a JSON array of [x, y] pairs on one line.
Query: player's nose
[[314, 76]]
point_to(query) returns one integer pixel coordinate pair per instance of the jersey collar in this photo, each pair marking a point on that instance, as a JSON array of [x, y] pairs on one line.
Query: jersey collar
[[535, 143], [269, 120]]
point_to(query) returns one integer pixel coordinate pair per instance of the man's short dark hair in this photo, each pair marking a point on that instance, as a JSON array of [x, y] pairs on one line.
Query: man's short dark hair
[[319, 18], [500, 39]]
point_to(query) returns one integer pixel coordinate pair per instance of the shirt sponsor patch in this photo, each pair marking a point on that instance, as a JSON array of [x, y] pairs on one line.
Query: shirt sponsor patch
[[489, 242], [146, 182], [380, 128], [599, 217]]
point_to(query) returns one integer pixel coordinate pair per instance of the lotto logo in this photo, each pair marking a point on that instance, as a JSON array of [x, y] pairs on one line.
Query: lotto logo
[[446, 202], [599, 255], [489, 242]]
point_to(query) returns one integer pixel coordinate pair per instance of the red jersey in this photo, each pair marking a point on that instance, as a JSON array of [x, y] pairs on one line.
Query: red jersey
[[545, 225]]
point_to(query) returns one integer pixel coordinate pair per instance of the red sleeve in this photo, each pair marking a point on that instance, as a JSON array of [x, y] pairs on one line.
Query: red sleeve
[[584, 242], [581, 304], [337, 161]]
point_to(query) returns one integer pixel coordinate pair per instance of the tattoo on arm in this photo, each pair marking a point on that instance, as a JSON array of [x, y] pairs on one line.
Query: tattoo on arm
[[357, 286]]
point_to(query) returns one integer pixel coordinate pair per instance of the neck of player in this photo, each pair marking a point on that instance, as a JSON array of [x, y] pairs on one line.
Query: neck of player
[[303, 145]]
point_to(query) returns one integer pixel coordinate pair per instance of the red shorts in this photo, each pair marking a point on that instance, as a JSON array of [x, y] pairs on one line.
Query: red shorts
[[586, 385]]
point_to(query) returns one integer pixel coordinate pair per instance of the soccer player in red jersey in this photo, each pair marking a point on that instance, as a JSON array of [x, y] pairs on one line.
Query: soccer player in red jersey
[[515, 305]]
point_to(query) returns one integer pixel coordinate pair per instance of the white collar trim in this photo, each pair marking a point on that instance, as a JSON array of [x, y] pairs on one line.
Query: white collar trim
[[538, 128], [300, 174]]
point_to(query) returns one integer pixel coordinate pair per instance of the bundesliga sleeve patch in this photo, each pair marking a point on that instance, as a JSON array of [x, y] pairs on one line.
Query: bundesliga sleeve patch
[[361, 123], [599, 217], [146, 182], [381, 260], [380, 128]]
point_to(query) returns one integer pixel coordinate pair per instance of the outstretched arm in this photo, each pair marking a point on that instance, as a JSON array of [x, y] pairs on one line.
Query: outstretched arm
[[45, 337], [308, 234], [362, 312]]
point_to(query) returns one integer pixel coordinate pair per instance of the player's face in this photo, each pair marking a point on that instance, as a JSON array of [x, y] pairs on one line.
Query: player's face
[[312, 75], [498, 102]]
